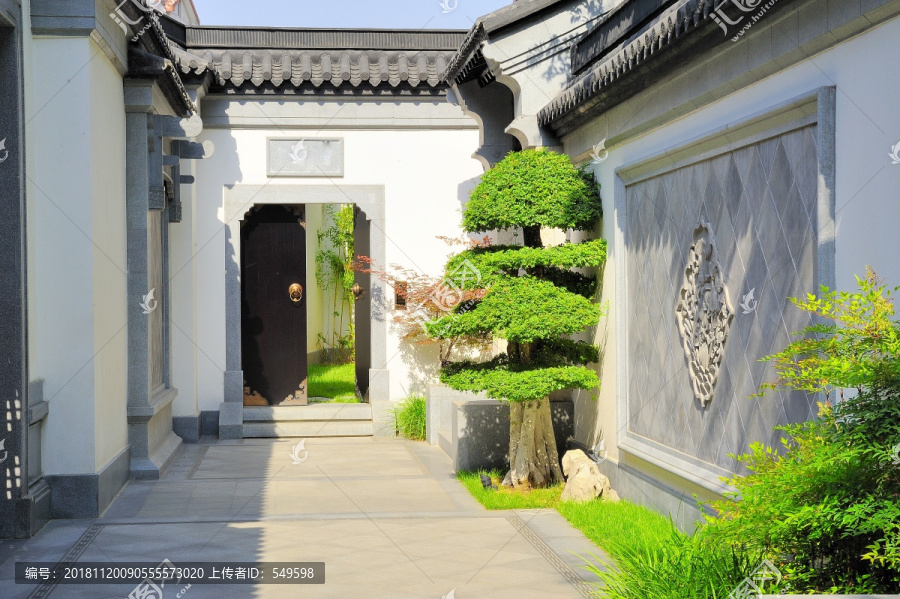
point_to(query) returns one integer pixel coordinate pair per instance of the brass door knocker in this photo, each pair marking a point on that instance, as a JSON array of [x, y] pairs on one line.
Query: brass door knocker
[[296, 292]]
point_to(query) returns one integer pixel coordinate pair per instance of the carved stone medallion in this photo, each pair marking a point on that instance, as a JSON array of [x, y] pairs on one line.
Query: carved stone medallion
[[704, 313]]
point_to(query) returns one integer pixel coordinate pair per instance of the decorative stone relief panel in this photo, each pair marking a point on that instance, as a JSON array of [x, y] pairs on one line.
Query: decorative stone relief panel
[[306, 157], [704, 313], [705, 302]]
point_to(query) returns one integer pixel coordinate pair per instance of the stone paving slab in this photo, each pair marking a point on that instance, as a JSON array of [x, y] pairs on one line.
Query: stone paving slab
[[402, 526]]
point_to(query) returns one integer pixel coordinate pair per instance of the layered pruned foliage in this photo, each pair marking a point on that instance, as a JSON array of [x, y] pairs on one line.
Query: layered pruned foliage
[[531, 297], [534, 299], [533, 188], [826, 509]]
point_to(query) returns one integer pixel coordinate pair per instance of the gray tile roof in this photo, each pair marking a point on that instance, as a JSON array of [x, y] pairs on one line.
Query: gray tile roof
[[494, 22], [323, 58], [684, 30]]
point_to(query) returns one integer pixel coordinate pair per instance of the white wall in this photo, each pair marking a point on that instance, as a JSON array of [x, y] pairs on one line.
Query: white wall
[[868, 125], [107, 150], [76, 264], [426, 174]]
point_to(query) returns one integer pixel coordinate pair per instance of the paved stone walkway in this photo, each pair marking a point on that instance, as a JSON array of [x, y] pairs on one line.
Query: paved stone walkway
[[387, 517]]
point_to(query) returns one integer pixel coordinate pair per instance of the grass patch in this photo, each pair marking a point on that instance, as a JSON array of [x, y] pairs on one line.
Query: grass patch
[[337, 382], [505, 498], [409, 417], [650, 556], [605, 522]]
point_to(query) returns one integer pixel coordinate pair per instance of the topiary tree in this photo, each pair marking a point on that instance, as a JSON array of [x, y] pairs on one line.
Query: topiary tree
[[533, 300]]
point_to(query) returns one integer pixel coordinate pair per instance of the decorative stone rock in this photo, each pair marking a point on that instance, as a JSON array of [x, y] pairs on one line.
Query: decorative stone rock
[[584, 481]]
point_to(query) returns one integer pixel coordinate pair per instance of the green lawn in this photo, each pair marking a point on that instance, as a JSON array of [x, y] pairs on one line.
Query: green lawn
[[337, 382], [600, 521]]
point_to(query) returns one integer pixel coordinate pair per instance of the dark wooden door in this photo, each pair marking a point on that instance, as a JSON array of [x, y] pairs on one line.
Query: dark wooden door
[[273, 336]]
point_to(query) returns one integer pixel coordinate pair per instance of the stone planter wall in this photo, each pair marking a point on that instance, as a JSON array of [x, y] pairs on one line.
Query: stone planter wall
[[474, 430]]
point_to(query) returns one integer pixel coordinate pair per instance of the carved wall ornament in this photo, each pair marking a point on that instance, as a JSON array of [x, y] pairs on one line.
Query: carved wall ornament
[[704, 313]]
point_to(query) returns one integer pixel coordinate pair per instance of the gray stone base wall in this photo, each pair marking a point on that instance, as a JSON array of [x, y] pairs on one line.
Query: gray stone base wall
[[187, 427], [209, 423], [192, 428], [88, 495], [653, 494], [480, 433], [30, 514]]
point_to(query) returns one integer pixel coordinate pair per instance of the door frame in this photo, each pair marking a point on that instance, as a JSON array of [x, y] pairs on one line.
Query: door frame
[[238, 201]]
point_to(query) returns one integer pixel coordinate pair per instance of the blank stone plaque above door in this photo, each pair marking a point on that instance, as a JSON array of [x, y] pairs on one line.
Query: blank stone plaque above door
[[305, 157]]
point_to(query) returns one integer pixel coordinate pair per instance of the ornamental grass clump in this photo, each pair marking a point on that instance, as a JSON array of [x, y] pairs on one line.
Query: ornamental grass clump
[[532, 298], [826, 509], [409, 417]]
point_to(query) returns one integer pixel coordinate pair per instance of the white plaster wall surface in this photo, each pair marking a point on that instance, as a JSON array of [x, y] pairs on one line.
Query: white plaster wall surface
[[866, 213], [426, 175], [107, 142], [183, 285], [76, 265]]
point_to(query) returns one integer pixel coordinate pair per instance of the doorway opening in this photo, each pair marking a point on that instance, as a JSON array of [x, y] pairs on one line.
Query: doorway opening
[[300, 303], [332, 322]]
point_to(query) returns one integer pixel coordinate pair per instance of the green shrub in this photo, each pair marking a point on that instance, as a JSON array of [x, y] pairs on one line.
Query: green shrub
[[530, 297], [409, 417], [826, 510], [678, 567]]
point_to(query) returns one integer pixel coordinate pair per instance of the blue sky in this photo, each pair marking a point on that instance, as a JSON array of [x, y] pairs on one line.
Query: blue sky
[[399, 14]]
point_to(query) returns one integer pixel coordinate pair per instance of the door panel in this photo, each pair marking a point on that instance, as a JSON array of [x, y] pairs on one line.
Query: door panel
[[273, 335]]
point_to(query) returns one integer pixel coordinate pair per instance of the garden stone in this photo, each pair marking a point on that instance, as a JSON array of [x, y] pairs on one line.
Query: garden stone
[[584, 481]]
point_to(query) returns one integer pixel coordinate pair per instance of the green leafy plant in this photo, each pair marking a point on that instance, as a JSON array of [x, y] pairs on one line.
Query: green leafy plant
[[854, 343], [531, 298], [334, 273], [826, 509], [409, 417]]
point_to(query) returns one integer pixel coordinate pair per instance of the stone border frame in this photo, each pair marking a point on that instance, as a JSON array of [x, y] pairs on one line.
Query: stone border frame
[[25, 500], [238, 201], [816, 107]]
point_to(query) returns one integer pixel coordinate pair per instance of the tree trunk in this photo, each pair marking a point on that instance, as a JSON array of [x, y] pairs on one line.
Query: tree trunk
[[533, 459]]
